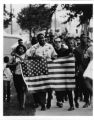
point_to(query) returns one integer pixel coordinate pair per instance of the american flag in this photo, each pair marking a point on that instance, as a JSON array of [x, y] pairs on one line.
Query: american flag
[[41, 74]]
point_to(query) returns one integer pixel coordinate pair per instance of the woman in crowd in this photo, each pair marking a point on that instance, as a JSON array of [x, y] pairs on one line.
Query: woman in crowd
[[19, 54], [83, 61]]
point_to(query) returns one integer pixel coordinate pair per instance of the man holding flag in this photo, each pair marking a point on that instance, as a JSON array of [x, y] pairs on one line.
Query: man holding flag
[[42, 74], [46, 51], [62, 52]]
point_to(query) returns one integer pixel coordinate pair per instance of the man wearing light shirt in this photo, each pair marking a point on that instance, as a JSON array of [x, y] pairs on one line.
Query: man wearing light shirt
[[42, 50]]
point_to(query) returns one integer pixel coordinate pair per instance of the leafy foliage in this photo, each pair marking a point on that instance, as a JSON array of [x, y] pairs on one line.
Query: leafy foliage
[[85, 12], [7, 17], [36, 17]]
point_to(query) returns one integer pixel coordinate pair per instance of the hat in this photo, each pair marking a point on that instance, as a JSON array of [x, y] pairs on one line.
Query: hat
[[20, 40]]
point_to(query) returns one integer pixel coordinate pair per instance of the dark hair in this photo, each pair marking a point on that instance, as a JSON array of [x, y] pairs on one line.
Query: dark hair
[[20, 41], [34, 40], [38, 36], [69, 39], [6, 59], [83, 35], [18, 47], [60, 37], [77, 37]]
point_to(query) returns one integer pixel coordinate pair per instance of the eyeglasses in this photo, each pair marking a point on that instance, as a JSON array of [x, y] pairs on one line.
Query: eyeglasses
[[58, 41]]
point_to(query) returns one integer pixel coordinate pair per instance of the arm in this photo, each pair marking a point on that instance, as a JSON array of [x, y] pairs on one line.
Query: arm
[[54, 54]]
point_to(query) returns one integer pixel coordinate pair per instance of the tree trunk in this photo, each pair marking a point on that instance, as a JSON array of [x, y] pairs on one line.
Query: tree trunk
[[30, 36]]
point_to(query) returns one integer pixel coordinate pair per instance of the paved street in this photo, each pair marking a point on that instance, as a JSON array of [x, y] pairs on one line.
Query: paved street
[[13, 109], [55, 111]]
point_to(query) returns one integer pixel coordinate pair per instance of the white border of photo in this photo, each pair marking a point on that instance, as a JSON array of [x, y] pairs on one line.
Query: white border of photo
[[1, 59]]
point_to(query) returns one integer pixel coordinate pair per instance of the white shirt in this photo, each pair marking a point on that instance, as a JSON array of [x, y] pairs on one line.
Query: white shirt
[[18, 67], [47, 51], [7, 75]]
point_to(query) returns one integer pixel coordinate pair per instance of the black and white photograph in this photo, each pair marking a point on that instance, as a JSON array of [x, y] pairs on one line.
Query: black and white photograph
[[47, 59]]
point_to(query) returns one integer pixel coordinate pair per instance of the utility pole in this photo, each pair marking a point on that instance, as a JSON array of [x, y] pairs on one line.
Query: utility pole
[[55, 21], [30, 36], [11, 18]]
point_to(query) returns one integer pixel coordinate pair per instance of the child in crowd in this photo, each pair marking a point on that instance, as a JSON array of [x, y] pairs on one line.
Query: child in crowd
[[7, 77]]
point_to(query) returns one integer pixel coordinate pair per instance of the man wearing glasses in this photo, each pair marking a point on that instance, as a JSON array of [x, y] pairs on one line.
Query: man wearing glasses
[[61, 52]]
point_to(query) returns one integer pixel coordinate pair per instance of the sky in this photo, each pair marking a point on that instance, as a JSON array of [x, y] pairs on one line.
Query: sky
[[16, 7]]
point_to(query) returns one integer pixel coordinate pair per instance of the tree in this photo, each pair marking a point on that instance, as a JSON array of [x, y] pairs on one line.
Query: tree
[[35, 17], [7, 17], [85, 12]]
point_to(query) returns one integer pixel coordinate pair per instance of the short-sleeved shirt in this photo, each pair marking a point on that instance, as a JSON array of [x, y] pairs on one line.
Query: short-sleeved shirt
[[22, 55], [18, 67], [47, 51], [7, 75]]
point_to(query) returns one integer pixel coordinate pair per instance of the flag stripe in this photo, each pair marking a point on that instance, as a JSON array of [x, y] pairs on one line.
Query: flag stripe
[[63, 70], [61, 63], [51, 81], [54, 87], [60, 67], [60, 75]]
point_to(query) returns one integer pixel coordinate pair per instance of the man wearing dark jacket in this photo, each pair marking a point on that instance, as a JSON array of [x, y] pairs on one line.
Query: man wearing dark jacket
[[62, 52], [82, 63]]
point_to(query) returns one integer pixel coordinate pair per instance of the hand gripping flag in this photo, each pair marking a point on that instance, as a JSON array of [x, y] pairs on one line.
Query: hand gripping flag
[[39, 74]]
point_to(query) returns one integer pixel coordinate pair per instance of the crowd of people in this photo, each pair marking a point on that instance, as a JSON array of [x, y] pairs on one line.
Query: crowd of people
[[52, 48]]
